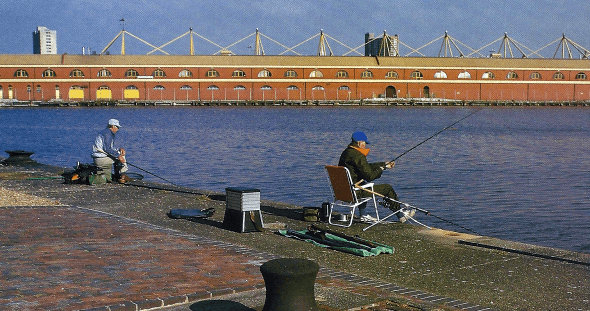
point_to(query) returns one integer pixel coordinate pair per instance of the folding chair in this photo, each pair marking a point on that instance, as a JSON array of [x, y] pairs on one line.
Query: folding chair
[[344, 192]]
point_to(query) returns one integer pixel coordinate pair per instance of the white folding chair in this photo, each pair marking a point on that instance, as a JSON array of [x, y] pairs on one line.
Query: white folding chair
[[344, 192]]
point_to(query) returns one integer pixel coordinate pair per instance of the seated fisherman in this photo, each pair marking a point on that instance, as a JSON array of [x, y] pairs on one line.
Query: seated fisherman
[[354, 157], [105, 154]]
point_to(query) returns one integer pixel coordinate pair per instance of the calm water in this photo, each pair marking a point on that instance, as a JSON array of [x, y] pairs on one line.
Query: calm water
[[515, 173]]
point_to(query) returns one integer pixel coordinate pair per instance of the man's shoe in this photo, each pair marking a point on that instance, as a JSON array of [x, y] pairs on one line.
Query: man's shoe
[[405, 214]]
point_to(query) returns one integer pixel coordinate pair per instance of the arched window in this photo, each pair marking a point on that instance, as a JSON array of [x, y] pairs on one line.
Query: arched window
[[76, 73], [186, 87], [367, 74], [212, 73], [581, 76], [131, 73], [392, 75], [488, 75], [440, 75], [266, 87], [342, 74], [535, 76], [464, 75], [185, 73], [558, 76], [264, 74], [21, 73], [344, 88], [512, 75], [238, 73], [213, 87], [131, 87], [159, 87], [104, 73], [316, 74], [48, 73], [318, 88], [239, 87], [159, 73], [290, 74], [292, 87], [103, 87], [416, 75]]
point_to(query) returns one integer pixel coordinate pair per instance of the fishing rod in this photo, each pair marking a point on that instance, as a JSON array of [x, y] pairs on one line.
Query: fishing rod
[[137, 167], [357, 185], [446, 128]]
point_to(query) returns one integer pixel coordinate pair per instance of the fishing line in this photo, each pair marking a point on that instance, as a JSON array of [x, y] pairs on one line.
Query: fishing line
[[137, 167], [357, 185], [446, 128], [452, 223]]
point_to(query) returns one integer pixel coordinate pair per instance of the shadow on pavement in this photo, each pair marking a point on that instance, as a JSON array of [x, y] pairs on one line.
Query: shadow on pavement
[[219, 305]]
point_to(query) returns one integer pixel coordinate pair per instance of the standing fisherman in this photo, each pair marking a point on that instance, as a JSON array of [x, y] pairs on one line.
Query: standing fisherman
[[354, 157], [104, 152]]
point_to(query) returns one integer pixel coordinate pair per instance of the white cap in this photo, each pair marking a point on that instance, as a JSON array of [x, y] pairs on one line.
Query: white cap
[[114, 122]]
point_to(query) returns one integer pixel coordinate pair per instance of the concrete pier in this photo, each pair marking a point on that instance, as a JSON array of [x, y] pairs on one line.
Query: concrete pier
[[112, 247]]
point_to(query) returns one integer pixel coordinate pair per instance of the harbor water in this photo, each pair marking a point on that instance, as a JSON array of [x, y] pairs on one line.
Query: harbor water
[[516, 173]]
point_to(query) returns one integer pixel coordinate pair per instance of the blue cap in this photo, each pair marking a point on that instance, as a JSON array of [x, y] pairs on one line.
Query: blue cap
[[360, 136]]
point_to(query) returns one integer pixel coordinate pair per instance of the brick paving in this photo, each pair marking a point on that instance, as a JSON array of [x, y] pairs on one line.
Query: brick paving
[[66, 258]]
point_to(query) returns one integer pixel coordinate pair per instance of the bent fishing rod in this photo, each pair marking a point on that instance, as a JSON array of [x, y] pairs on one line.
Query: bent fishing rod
[[137, 167], [427, 139], [358, 186]]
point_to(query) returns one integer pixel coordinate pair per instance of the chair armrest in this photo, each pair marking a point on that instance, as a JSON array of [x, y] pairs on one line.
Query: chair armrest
[[367, 185]]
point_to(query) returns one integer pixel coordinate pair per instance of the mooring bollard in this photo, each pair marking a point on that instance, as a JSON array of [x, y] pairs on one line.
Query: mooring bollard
[[18, 157], [289, 284]]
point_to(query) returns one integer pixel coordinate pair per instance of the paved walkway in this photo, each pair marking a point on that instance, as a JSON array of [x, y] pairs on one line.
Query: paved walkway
[[64, 258]]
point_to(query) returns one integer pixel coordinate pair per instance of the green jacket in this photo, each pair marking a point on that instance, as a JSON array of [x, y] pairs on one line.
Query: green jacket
[[359, 168]]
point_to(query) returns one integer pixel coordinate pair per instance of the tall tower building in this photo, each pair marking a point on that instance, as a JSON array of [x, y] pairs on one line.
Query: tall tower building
[[44, 41], [372, 44], [384, 46]]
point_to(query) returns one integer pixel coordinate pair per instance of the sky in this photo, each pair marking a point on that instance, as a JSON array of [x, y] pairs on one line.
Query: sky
[[474, 25]]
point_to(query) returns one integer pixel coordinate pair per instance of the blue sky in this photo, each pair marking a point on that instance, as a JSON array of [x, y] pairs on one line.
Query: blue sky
[[94, 23]]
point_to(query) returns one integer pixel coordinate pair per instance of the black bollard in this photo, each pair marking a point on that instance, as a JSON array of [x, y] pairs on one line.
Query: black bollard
[[289, 284], [18, 157]]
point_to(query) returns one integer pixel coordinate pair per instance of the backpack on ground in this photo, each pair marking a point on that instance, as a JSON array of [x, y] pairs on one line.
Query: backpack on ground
[[89, 174]]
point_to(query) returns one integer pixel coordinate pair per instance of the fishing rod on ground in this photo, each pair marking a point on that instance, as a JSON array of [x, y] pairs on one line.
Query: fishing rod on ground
[[427, 139], [137, 167], [358, 185]]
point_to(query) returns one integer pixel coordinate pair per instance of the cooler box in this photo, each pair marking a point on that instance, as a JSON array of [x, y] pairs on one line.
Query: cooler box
[[242, 210]]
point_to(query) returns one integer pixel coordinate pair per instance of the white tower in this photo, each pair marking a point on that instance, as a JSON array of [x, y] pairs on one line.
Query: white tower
[[44, 41]]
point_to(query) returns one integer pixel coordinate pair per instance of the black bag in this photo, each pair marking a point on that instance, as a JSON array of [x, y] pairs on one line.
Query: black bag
[[191, 213], [82, 174]]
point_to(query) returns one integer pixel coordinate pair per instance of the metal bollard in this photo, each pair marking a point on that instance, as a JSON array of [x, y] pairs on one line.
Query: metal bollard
[[17, 157], [289, 284]]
